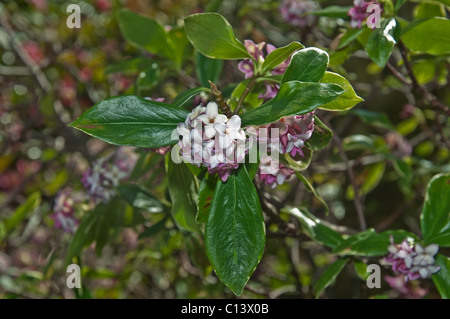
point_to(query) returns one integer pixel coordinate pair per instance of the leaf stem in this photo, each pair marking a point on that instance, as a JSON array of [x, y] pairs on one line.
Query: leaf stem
[[247, 90]]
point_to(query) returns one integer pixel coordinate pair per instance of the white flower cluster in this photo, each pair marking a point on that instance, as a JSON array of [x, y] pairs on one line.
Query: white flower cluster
[[212, 140]]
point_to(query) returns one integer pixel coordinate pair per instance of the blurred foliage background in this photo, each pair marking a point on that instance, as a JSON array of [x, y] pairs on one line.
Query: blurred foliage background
[[394, 142]]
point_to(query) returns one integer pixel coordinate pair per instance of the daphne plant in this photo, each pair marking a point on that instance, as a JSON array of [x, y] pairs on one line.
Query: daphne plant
[[211, 168]]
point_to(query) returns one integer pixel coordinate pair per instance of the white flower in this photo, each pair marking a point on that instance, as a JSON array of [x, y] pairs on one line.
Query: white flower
[[425, 271], [425, 256], [229, 132], [196, 112], [185, 133], [211, 118], [294, 140]]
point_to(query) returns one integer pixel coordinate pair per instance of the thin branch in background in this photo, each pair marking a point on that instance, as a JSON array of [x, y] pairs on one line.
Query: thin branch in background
[[429, 98], [356, 198]]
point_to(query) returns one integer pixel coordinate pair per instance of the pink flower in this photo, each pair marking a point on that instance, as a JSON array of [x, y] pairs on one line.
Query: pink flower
[[296, 12], [413, 262], [63, 212], [358, 13], [247, 66]]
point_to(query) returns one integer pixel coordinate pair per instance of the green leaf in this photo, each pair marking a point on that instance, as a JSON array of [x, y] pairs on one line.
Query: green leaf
[[382, 41], [252, 99], [307, 65], [179, 45], [85, 233], [293, 98], [148, 78], [129, 65], [300, 163], [205, 197], [349, 36], [183, 190], [345, 101], [428, 36], [374, 118], [212, 35], [139, 197], [311, 188], [370, 243], [329, 275], [442, 278], [333, 12], [154, 229], [22, 211], [361, 269], [429, 10], [315, 228], [143, 32], [425, 71], [235, 232], [368, 179], [208, 69], [184, 98], [130, 120], [320, 137], [435, 217], [279, 55]]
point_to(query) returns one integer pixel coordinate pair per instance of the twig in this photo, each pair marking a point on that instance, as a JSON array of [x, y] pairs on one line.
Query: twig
[[430, 98], [356, 198]]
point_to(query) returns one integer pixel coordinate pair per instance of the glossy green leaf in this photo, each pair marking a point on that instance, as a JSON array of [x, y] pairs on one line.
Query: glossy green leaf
[[235, 232], [183, 190], [279, 55], [205, 197], [307, 65], [428, 36], [184, 98], [329, 275], [293, 98], [315, 228], [21, 212], [442, 278], [345, 101], [425, 71], [320, 137], [311, 188], [130, 120], [382, 41], [333, 12], [435, 217], [139, 197], [212, 35], [361, 269], [370, 243], [154, 229], [144, 32], [208, 69]]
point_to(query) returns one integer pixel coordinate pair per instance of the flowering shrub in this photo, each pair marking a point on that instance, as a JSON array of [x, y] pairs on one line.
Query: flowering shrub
[[208, 156]]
